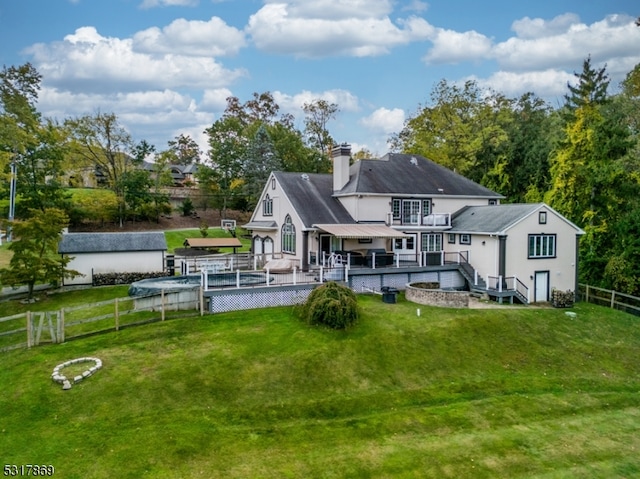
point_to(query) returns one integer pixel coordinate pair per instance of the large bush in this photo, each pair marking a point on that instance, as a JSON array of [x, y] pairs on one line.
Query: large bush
[[331, 305]]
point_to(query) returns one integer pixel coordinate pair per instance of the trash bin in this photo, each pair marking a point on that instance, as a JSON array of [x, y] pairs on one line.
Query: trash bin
[[389, 294]]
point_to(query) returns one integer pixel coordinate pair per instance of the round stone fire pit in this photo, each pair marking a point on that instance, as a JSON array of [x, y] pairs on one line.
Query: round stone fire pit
[[431, 294]]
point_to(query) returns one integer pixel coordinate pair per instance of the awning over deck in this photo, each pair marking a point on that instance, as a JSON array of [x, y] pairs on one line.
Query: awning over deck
[[356, 231]]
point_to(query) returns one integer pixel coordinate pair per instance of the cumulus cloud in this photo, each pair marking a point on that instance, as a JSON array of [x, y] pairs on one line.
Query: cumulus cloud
[[351, 28], [191, 38], [215, 99], [564, 40], [548, 84], [454, 47], [345, 100], [88, 61], [384, 121], [528, 28]]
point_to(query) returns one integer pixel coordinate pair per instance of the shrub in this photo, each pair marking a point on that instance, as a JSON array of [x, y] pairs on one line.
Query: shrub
[[186, 207], [331, 305]]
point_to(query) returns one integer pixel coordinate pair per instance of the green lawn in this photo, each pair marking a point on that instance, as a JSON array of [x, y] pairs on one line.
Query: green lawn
[[257, 394]]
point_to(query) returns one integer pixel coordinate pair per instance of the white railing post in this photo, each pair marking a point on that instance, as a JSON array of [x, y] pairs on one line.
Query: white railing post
[[294, 275], [267, 277], [442, 258], [322, 273], [459, 254], [397, 260], [500, 283], [238, 278], [488, 282], [346, 274], [475, 277], [373, 260]]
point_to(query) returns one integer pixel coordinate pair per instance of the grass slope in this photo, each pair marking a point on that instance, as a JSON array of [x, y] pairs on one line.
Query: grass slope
[[453, 393]]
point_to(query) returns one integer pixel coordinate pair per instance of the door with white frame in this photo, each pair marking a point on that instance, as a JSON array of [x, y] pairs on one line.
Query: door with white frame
[[541, 286], [406, 247]]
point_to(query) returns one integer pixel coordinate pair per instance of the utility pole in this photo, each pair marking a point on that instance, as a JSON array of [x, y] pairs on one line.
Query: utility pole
[[12, 199]]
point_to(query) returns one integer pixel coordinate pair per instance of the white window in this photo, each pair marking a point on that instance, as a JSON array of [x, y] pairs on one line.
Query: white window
[[395, 207], [542, 246], [411, 212], [267, 206], [288, 236], [465, 239], [432, 242]]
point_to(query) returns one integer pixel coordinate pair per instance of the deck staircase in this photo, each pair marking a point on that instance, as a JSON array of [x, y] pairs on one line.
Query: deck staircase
[[478, 286], [469, 273]]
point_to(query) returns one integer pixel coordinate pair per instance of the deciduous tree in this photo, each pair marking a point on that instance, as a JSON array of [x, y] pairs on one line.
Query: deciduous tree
[[35, 259]]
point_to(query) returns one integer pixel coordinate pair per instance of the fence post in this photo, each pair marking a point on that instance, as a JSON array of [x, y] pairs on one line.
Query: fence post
[[29, 329], [587, 294], [116, 314], [238, 278], [201, 291], [613, 299], [61, 321], [162, 304]]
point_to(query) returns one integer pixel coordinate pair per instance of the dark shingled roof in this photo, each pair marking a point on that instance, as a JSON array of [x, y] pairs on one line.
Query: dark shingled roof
[[490, 219], [311, 197], [112, 242], [402, 174]]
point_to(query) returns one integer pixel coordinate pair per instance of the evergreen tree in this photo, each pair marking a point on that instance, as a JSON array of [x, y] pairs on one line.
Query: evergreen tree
[[261, 159]]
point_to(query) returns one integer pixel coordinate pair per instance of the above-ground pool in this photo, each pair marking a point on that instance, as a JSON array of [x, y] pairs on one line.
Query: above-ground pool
[[149, 286]]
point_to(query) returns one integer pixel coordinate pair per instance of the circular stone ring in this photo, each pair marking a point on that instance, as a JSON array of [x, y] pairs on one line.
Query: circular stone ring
[[66, 383]]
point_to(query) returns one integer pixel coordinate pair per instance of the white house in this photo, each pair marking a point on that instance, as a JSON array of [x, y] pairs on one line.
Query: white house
[[406, 208], [113, 253]]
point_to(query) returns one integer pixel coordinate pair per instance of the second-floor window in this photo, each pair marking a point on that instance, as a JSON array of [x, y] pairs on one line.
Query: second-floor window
[[542, 246], [267, 206], [411, 211]]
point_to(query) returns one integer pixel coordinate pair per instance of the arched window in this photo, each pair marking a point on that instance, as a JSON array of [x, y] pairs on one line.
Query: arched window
[[288, 236], [267, 206]]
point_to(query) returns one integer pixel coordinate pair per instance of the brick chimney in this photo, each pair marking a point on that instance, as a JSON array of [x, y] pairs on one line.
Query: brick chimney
[[341, 155]]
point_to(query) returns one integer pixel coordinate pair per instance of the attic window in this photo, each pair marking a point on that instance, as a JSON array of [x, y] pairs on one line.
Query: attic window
[[273, 183], [542, 217]]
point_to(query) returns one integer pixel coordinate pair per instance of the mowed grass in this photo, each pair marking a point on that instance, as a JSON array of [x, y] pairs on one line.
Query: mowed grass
[[500, 393]]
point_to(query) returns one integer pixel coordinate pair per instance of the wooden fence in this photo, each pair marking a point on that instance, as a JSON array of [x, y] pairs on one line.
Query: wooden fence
[[33, 328], [606, 297]]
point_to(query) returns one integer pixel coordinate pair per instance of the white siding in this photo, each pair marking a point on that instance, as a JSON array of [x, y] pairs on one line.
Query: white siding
[[562, 268]]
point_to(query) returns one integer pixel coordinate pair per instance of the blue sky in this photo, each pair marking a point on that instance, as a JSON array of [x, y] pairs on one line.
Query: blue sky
[[165, 67]]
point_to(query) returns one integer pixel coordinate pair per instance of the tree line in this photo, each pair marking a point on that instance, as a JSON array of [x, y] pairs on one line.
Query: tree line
[[581, 157]]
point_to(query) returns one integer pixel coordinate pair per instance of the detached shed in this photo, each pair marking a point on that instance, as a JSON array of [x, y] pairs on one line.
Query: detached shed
[[113, 253]]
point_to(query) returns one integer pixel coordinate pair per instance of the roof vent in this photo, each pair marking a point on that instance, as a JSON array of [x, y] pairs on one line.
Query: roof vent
[[414, 161], [305, 177]]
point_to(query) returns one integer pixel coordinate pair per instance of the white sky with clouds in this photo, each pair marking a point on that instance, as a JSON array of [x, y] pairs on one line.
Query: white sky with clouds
[[165, 67]]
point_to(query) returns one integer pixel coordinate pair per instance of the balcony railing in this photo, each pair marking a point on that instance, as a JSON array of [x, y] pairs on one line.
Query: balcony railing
[[435, 220]]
